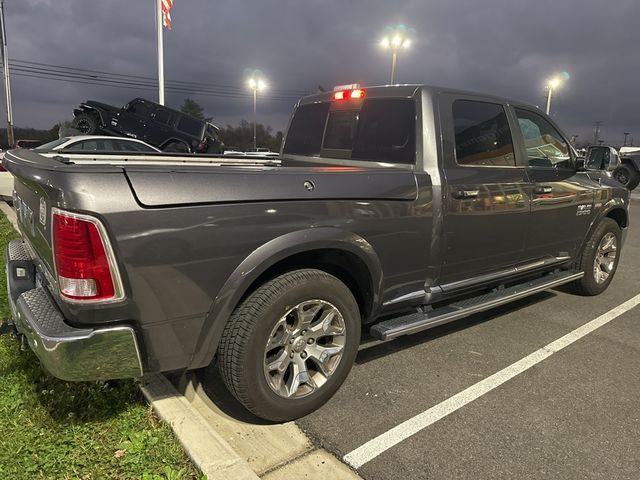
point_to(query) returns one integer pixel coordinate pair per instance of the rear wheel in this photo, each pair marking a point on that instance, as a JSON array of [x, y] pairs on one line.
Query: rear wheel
[[599, 259], [627, 176], [288, 347], [85, 123]]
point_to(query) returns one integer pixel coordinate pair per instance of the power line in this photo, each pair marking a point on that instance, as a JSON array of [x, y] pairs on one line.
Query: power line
[[142, 87], [62, 69], [95, 80]]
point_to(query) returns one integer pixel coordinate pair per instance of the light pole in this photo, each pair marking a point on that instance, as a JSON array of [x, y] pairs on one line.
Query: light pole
[[256, 83], [552, 84], [5, 74], [395, 39]]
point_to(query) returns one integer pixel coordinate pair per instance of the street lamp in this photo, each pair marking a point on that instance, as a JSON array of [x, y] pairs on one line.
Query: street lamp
[[256, 83], [395, 39], [552, 84]]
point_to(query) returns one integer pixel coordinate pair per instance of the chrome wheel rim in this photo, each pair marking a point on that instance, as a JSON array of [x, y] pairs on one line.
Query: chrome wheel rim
[[304, 348], [605, 260]]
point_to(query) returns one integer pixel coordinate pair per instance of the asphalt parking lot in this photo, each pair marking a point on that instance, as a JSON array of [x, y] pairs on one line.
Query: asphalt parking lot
[[575, 414]]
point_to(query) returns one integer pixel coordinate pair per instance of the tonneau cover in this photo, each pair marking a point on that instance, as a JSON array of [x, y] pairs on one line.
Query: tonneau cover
[[155, 188]]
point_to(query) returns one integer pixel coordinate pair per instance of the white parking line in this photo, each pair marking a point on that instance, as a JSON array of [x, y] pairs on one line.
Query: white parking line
[[374, 447]]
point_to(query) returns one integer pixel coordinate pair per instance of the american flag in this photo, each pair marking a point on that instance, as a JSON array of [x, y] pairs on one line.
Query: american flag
[[166, 15]]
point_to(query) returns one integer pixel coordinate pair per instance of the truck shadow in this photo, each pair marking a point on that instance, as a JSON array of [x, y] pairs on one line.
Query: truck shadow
[[372, 349]]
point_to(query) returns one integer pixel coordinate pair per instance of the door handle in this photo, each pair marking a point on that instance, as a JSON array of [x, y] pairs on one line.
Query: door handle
[[544, 189], [466, 193]]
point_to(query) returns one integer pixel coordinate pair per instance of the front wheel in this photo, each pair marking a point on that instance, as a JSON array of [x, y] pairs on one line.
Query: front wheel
[[599, 259], [627, 176], [289, 345]]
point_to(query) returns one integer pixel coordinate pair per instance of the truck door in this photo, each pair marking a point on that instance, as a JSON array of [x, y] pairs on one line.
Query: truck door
[[133, 119], [487, 193], [562, 201]]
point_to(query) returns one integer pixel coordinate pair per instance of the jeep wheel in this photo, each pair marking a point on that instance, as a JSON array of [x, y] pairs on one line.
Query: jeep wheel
[[85, 123], [288, 347], [599, 259], [627, 176]]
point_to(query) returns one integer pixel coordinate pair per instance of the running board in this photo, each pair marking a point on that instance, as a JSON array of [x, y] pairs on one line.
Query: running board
[[417, 322]]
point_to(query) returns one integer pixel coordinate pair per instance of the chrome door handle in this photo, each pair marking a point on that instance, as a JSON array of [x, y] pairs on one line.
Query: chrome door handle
[[542, 190], [466, 193]]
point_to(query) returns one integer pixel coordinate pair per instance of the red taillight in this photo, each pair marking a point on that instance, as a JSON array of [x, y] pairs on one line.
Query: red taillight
[[339, 95], [80, 254], [349, 94]]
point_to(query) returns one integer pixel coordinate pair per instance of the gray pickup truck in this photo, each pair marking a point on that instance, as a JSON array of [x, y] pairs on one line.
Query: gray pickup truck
[[394, 210]]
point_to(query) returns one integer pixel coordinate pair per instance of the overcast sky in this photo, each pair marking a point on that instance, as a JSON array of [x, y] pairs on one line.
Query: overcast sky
[[504, 47]]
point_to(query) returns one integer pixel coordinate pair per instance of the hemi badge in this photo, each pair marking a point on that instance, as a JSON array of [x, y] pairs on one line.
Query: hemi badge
[[42, 214]]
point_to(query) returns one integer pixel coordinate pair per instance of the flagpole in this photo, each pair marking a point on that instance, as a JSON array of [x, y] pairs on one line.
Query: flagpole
[[160, 49]]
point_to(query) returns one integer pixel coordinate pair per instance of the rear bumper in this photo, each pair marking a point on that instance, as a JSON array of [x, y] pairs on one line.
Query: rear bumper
[[65, 352]]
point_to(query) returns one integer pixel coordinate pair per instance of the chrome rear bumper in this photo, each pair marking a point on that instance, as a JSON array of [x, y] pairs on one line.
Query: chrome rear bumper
[[66, 352]]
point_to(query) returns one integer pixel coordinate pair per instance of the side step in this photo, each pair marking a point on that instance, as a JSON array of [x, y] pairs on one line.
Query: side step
[[417, 322]]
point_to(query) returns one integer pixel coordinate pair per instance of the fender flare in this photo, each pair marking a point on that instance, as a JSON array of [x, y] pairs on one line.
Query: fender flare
[[264, 257], [609, 206], [87, 108], [633, 161]]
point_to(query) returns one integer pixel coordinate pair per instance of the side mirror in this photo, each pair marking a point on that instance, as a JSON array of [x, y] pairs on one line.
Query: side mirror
[[614, 160], [580, 164]]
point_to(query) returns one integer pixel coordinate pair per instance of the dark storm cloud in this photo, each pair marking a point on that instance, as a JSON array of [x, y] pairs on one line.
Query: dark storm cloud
[[497, 46]]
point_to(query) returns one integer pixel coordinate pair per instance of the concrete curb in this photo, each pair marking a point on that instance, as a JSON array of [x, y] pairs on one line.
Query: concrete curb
[[209, 452], [10, 213]]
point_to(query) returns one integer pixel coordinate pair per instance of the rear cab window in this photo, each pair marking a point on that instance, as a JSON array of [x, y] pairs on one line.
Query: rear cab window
[[369, 129]]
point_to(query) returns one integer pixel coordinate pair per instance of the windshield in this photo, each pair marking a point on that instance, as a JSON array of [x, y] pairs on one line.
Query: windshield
[[52, 145]]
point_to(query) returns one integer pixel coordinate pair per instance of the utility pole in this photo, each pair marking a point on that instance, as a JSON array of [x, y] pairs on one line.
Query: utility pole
[[626, 134], [596, 131], [5, 75]]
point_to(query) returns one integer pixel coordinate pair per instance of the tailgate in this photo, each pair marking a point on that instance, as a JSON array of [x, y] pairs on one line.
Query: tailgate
[[42, 183]]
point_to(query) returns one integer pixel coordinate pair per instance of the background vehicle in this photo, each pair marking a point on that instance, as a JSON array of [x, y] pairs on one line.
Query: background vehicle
[[624, 165], [28, 143], [168, 129], [92, 143], [78, 144], [394, 209], [261, 152]]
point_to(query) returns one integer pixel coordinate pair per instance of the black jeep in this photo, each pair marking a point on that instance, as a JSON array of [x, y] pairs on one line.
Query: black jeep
[[169, 130]]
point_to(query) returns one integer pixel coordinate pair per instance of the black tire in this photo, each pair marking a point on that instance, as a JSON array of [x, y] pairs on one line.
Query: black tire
[[627, 175], [86, 123], [589, 285], [243, 346]]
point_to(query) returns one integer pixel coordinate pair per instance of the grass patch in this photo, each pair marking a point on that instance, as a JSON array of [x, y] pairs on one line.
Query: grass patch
[[61, 430]]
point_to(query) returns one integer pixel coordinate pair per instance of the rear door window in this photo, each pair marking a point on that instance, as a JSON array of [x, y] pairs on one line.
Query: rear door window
[[163, 116], [482, 134]]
